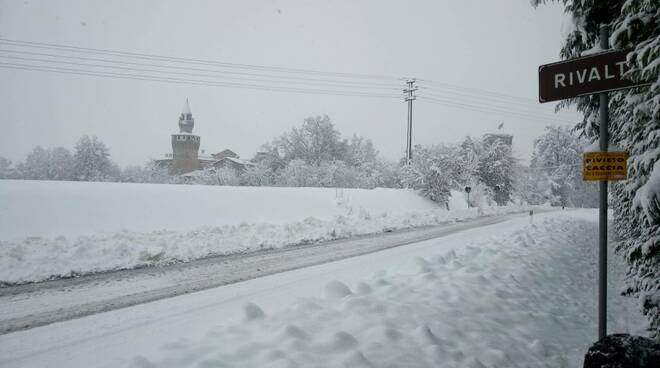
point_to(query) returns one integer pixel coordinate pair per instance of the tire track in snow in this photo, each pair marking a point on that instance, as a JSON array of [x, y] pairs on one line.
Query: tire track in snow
[[24, 307]]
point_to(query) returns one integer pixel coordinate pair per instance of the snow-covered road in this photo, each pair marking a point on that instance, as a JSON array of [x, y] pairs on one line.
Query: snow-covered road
[[509, 294], [31, 305]]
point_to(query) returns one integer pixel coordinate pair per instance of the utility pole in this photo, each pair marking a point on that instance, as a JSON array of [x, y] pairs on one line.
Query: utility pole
[[410, 97]]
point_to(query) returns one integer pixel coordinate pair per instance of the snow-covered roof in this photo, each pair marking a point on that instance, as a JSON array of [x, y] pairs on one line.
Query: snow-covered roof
[[238, 161], [186, 108]]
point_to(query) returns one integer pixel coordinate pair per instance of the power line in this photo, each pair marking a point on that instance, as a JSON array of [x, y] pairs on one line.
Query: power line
[[53, 46], [222, 72], [479, 108], [187, 81], [239, 79], [481, 91], [480, 97], [256, 87], [510, 107], [190, 74], [274, 75]]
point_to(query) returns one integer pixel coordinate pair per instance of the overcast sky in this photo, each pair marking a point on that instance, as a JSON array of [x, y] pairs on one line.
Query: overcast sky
[[491, 47]]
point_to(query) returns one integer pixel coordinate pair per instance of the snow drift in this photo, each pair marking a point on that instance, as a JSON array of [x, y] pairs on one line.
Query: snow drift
[[60, 229], [519, 295], [59, 208]]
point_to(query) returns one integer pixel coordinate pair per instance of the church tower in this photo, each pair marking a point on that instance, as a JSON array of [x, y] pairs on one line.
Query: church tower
[[185, 145]]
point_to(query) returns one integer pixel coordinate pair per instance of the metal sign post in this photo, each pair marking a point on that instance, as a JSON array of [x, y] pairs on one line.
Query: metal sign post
[[602, 208]]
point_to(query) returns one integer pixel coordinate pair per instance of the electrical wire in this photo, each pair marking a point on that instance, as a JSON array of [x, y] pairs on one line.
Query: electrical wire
[[476, 90], [186, 81], [52, 46], [190, 74], [221, 72], [510, 107], [270, 78], [485, 109]]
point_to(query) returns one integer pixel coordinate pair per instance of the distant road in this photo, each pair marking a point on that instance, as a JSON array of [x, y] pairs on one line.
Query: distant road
[[26, 306]]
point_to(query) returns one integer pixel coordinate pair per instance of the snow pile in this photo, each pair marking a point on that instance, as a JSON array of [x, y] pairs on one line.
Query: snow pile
[[61, 229], [523, 298], [57, 208]]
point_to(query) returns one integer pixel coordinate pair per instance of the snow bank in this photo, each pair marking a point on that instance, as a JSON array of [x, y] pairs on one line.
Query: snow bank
[[521, 297], [61, 229], [59, 208]]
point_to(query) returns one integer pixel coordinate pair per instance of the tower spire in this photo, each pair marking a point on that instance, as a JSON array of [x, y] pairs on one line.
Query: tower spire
[[186, 121], [186, 108]]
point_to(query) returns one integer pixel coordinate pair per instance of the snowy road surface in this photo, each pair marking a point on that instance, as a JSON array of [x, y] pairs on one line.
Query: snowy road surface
[[27, 306], [512, 294]]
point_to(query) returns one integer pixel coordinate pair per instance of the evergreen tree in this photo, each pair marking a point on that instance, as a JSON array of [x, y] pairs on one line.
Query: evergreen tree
[[634, 127]]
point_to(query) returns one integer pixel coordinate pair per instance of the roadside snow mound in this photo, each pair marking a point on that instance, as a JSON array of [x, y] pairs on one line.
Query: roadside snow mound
[[63, 229], [521, 298]]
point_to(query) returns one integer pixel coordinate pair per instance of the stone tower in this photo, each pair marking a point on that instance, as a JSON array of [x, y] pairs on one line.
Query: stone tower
[[185, 145]]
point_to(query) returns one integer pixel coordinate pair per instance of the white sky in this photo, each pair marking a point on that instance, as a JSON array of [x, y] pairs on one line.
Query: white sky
[[486, 45]]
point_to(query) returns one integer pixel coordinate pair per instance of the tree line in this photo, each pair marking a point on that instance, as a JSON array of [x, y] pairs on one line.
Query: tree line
[[315, 154]]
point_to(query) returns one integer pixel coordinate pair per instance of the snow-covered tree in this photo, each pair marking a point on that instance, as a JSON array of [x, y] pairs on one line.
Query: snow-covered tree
[[469, 153], [433, 171], [314, 142], [298, 174], [634, 127], [360, 152], [46, 164], [61, 164], [36, 165], [5, 168], [214, 176], [92, 160], [258, 175], [532, 186], [315, 154], [558, 156], [495, 169], [147, 173]]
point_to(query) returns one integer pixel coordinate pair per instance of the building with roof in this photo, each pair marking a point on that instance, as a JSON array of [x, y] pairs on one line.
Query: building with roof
[[185, 156]]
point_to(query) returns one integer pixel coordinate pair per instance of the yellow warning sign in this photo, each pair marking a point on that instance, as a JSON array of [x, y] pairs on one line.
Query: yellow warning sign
[[604, 166]]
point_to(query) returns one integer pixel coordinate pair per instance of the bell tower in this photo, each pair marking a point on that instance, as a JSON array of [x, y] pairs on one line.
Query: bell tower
[[186, 121], [185, 145]]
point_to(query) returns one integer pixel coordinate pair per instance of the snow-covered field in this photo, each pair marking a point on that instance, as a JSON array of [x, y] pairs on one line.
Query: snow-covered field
[[515, 294], [58, 229]]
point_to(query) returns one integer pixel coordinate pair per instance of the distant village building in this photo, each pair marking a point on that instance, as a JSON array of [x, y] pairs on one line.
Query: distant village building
[[185, 157]]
